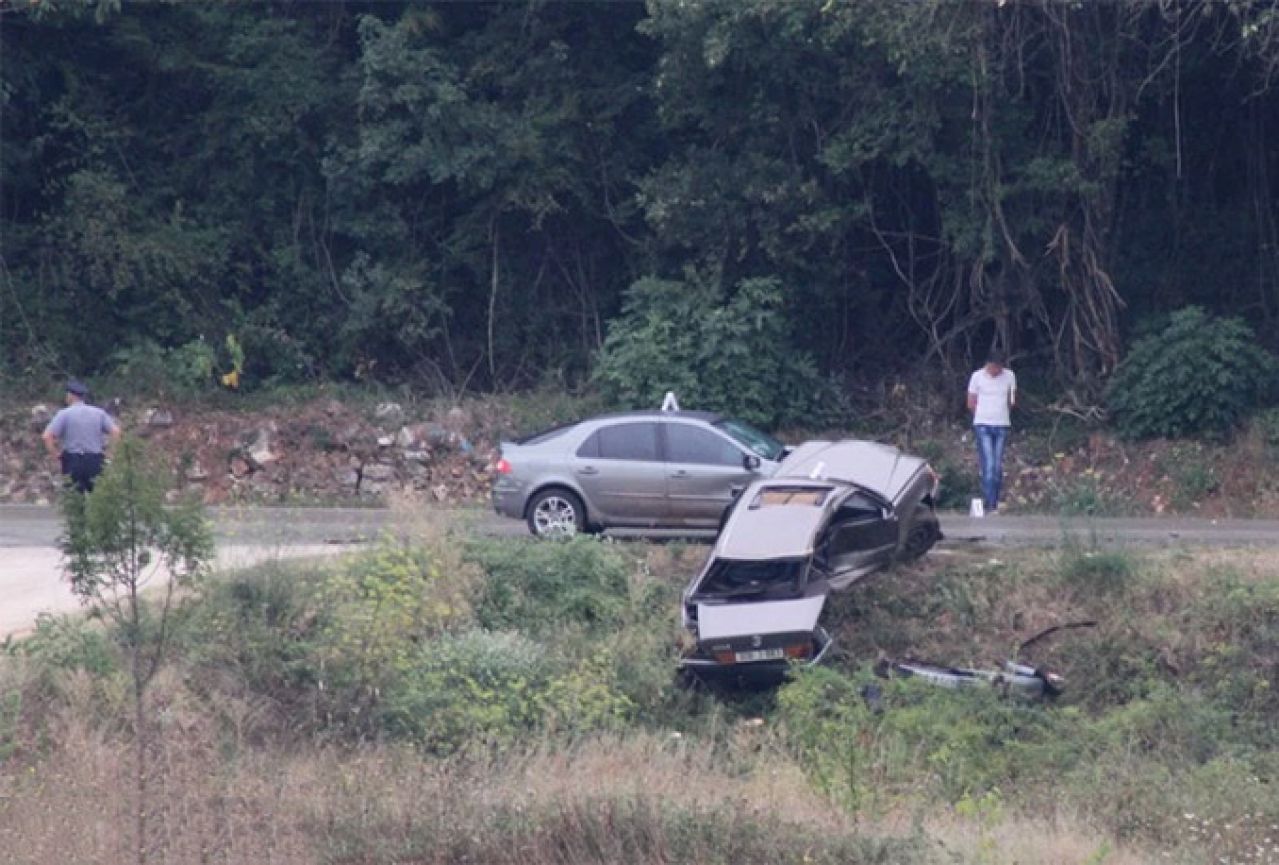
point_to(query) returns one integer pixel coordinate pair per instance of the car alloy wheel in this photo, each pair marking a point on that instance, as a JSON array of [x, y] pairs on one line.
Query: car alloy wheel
[[555, 516]]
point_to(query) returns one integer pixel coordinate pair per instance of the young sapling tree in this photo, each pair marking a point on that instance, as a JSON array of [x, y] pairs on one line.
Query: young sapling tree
[[121, 540]]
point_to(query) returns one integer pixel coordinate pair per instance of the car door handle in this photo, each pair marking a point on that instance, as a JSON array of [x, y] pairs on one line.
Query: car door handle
[[588, 470], [679, 473]]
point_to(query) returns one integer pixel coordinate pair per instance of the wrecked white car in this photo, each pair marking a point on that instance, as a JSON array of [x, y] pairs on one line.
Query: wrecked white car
[[834, 513]]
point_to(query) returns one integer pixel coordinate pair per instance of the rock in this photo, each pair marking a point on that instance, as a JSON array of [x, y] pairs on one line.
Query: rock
[[333, 407], [240, 468], [385, 441], [41, 414], [405, 438], [378, 472], [259, 452], [440, 491], [196, 473], [418, 456], [348, 478], [389, 411], [347, 435], [158, 418]]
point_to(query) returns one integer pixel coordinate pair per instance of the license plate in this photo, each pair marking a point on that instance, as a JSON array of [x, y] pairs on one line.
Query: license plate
[[760, 655]]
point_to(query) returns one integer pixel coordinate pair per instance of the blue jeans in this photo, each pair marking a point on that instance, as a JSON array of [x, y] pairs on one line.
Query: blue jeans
[[990, 456]]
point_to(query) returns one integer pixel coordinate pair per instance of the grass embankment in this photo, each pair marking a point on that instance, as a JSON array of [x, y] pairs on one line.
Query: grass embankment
[[447, 701]]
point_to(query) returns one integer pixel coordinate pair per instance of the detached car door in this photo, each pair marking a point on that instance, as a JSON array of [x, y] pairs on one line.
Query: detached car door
[[619, 468], [861, 537], [706, 472]]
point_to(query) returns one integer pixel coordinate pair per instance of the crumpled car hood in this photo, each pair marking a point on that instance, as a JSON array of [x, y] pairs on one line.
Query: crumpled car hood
[[874, 466], [721, 621]]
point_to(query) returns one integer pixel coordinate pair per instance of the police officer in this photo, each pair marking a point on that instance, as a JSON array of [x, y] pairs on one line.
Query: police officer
[[79, 436]]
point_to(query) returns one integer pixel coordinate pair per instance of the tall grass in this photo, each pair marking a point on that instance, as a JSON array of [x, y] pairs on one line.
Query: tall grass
[[397, 707]]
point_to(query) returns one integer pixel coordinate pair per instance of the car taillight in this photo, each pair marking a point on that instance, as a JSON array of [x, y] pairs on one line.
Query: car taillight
[[801, 651], [503, 467], [725, 658]]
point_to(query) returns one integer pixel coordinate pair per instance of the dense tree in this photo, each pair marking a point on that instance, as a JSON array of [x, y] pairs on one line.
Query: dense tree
[[459, 194]]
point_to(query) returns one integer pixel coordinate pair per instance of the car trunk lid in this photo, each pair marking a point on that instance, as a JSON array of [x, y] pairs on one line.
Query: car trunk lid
[[761, 630]]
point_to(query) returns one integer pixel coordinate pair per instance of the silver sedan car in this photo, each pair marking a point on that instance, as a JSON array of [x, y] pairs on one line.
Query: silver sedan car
[[648, 469]]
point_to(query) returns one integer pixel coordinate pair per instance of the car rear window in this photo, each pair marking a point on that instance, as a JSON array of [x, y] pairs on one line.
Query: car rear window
[[770, 497], [546, 435]]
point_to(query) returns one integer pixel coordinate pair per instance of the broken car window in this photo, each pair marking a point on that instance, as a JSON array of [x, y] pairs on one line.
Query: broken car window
[[777, 496], [769, 579]]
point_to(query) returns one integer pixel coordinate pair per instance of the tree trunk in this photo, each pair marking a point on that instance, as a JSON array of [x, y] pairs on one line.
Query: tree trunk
[[141, 741]]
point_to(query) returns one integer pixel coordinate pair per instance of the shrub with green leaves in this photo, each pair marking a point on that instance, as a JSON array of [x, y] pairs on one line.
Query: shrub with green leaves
[[533, 585], [723, 351], [479, 686], [965, 742], [69, 643], [1198, 375], [496, 687]]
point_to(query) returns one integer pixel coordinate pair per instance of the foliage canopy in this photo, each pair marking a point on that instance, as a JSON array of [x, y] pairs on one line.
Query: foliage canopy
[[459, 194]]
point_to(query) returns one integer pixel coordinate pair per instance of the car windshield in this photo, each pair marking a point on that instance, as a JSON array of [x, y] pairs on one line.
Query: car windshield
[[759, 443], [767, 579]]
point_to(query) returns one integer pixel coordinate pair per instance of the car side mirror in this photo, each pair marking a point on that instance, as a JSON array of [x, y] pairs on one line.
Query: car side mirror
[[751, 462]]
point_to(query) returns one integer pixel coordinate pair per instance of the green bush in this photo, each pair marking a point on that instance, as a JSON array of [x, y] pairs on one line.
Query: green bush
[[480, 687], [534, 585], [495, 688], [1198, 375], [731, 353], [148, 367], [1194, 477], [69, 643], [966, 743], [261, 628]]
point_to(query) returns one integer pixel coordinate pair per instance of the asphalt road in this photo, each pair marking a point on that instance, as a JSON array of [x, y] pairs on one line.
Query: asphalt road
[[30, 568], [35, 527]]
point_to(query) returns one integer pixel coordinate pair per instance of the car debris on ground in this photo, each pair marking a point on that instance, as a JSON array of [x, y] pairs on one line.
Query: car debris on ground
[[1013, 678]]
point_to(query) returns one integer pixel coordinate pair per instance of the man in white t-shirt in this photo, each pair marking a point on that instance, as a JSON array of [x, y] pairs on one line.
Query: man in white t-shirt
[[992, 392]]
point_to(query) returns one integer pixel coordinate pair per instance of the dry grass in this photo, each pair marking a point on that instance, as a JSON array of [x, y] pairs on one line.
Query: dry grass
[[601, 800]]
